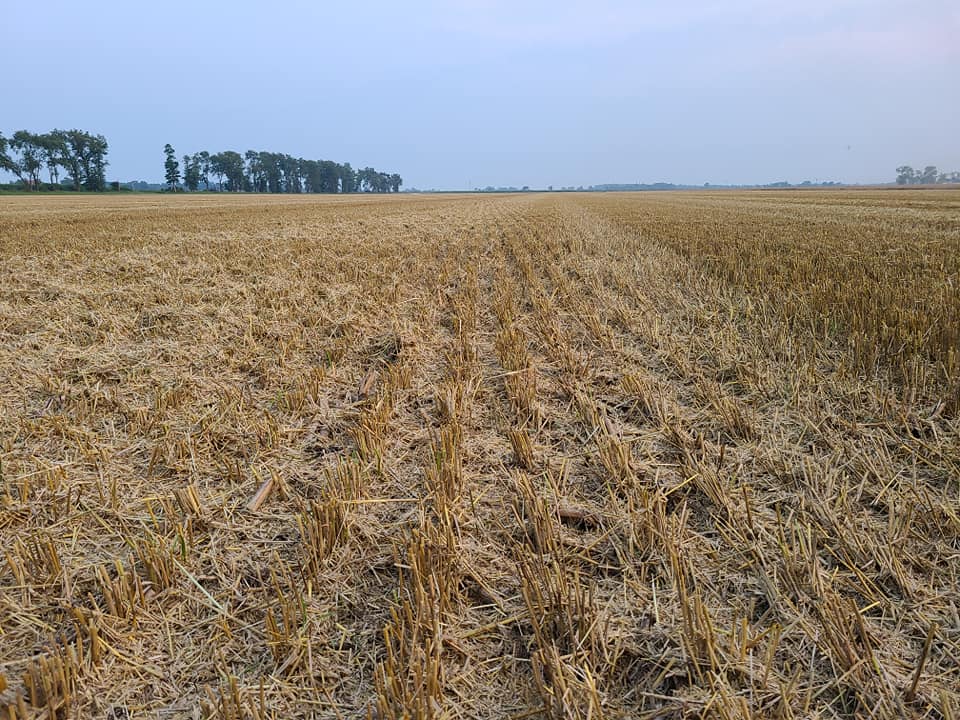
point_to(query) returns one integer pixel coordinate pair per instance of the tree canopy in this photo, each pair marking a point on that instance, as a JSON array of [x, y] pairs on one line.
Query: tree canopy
[[270, 172], [171, 167], [79, 154], [906, 175]]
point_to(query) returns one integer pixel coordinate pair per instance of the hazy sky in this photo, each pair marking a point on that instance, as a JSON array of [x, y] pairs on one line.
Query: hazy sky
[[460, 93]]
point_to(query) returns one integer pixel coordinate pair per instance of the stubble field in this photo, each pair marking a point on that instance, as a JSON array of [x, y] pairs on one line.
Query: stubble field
[[533, 456]]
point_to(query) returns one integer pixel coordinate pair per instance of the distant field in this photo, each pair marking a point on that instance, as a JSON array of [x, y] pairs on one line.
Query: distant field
[[656, 455]]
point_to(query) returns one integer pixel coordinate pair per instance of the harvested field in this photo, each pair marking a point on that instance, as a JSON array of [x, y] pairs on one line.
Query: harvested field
[[533, 456]]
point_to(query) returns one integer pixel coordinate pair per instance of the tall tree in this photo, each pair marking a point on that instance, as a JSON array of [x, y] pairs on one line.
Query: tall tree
[[268, 172], [348, 179], [6, 162], [929, 175], [55, 149], [81, 155], [310, 170], [906, 175], [329, 177], [218, 169], [205, 169], [290, 166], [229, 164], [255, 174], [171, 167], [272, 171], [96, 163], [191, 172], [30, 163], [75, 148]]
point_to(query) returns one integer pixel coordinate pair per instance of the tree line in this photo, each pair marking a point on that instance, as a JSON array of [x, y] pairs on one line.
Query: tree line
[[80, 156], [906, 175], [269, 172]]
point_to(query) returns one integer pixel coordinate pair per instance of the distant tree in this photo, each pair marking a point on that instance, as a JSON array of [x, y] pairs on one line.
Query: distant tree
[[255, 174], [75, 151], [929, 175], [191, 172], [370, 180], [329, 173], [218, 169], [54, 148], [6, 162], [81, 155], [272, 172], [348, 179], [310, 172], [12, 161], [171, 167], [290, 167], [233, 169], [320, 176], [267, 172], [29, 147], [229, 169], [205, 168], [96, 163], [906, 175]]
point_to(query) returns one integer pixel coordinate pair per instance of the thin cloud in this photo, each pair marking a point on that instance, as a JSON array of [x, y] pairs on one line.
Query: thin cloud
[[605, 21], [913, 43]]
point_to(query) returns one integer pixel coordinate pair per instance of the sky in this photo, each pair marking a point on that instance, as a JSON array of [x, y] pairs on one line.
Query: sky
[[456, 94]]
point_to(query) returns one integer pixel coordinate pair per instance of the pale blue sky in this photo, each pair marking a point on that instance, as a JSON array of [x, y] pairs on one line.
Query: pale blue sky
[[502, 93]]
